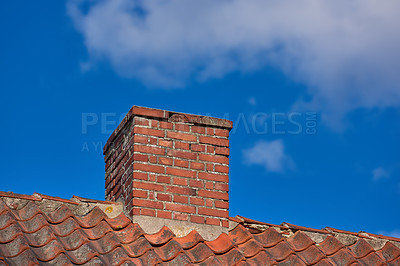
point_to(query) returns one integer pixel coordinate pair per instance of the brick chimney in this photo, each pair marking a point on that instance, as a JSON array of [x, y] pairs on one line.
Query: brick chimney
[[170, 169]]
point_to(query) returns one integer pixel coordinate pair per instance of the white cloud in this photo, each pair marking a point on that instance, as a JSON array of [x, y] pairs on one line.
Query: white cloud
[[270, 154], [394, 233], [346, 52], [252, 101], [379, 173]]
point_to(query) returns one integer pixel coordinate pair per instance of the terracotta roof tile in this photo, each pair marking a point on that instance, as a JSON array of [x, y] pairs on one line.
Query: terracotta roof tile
[[47, 230], [300, 241], [220, 245], [240, 234], [390, 252], [311, 255], [199, 253], [190, 240], [269, 237], [330, 245]]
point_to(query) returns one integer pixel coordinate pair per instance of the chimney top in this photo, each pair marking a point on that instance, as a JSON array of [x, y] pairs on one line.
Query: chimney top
[[170, 169]]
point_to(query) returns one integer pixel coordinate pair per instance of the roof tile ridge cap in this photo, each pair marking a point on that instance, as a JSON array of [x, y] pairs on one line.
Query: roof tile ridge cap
[[53, 198], [304, 228], [251, 221], [334, 230], [10, 194], [87, 200], [383, 237]]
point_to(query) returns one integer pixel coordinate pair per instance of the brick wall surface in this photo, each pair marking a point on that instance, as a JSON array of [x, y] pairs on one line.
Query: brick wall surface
[[170, 165]]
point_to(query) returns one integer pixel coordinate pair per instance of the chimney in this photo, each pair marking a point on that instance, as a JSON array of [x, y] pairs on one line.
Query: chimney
[[170, 169]]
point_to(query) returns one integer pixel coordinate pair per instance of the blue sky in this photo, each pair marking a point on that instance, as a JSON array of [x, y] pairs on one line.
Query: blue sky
[[312, 88]]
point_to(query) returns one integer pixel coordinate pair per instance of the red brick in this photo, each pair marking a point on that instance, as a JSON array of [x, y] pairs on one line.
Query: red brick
[[212, 221], [149, 149], [148, 186], [152, 177], [225, 223], [214, 177], [147, 112], [197, 219], [181, 163], [151, 195], [165, 160], [140, 139], [219, 186], [214, 141], [153, 141], [196, 183], [222, 132], [210, 131], [198, 147], [181, 199], [164, 179], [148, 131], [181, 145], [153, 159], [139, 194], [222, 150], [196, 166], [221, 204], [181, 136], [182, 127], [210, 167], [135, 211], [180, 208], [181, 216], [214, 158], [182, 190], [147, 203], [149, 168], [154, 123], [139, 175], [209, 203], [164, 214], [182, 154], [197, 201], [181, 172], [148, 212], [213, 212], [199, 130], [180, 181], [221, 168], [210, 149], [209, 185], [165, 125], [213, 194], [165, 143], [141, 121], [164, 197]]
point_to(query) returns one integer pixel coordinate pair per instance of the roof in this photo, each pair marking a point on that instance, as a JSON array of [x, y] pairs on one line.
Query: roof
[[47, 230]]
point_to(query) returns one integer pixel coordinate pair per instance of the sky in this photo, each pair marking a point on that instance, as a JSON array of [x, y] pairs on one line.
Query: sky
[[312, 88]]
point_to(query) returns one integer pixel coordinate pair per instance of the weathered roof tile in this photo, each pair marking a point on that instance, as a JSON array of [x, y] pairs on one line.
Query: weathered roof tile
[[48, 230]]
